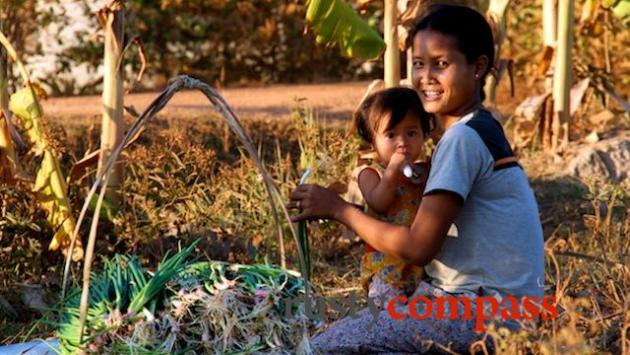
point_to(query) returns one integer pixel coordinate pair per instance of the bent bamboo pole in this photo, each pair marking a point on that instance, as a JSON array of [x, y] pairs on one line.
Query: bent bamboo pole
[[102, 179]]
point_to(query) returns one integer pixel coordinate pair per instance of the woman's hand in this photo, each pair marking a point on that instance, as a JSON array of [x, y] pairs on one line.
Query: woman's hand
[[315, 201]]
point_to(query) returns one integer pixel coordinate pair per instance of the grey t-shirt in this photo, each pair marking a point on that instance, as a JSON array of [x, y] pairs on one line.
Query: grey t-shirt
[[498, 247]]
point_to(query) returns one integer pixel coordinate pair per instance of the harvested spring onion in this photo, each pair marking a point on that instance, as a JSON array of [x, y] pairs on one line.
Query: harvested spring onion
[[302, 236], [195, 307]]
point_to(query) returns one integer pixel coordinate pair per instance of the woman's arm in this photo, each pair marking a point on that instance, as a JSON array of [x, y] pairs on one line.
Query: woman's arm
[[417, 244]]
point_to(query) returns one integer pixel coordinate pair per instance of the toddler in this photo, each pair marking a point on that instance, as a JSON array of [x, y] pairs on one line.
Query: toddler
[[394, 122]]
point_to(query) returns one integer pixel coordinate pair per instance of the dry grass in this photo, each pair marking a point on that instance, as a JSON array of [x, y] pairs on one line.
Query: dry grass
[[587, 269], [186, 180]]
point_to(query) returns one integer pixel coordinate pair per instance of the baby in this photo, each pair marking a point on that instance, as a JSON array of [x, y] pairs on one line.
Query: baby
[[394, 122]]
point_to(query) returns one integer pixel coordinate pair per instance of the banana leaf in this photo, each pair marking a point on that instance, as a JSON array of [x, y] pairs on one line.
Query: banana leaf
[[622, 10], [336, 23], [50, 185]]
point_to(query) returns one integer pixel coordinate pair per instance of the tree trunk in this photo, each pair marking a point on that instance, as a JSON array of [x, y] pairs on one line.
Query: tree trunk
[[562, 80], [113, 19], [549, 23], [392, 53], [550, 17], [497, 10]]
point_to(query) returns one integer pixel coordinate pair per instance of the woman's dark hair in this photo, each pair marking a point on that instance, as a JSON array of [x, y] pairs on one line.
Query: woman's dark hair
[[469, 28], [397, 102]]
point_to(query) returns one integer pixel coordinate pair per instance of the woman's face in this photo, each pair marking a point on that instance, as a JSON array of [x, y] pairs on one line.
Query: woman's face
[[448, 85]]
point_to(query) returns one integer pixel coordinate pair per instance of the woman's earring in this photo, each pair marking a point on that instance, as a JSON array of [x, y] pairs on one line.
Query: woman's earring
[[477, 76]]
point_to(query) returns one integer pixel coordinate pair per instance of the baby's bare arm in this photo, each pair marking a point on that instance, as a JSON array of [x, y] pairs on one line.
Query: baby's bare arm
[[379, 193]]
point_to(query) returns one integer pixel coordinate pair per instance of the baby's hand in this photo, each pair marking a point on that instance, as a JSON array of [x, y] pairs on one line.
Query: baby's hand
[[396, 164]]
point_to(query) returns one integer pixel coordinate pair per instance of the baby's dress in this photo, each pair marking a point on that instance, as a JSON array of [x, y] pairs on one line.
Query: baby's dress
[[383, 275]]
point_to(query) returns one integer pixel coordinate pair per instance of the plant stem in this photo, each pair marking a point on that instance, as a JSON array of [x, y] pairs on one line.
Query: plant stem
[[112, 127], [562, 78], [392, 54]]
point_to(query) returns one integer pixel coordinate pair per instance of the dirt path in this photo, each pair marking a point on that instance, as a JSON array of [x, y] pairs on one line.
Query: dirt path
[[331, 101]]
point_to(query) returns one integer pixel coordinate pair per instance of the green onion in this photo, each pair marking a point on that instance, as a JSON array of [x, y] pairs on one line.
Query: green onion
[[186, 307]]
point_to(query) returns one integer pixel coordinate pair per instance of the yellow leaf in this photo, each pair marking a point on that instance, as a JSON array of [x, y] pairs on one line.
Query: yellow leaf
[[23, 105], [50, 185], [51, 190]]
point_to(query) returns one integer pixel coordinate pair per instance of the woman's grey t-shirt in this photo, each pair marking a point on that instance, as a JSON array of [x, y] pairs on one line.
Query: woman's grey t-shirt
[[498, 246]]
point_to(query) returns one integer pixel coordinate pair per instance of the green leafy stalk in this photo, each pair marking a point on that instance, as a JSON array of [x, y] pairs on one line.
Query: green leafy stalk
[[302, 231], [335, 22], [164, 273], [302, 235]]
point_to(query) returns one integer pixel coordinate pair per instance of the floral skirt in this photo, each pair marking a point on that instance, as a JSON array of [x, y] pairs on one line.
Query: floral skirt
[[390, 270], [382, 334]]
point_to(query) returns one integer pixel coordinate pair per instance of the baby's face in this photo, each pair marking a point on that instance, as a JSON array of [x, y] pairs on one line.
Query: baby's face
[[405, 138]]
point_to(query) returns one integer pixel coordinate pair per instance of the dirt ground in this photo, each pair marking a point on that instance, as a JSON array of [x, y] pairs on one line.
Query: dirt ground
[[332, 103], [329, 100]]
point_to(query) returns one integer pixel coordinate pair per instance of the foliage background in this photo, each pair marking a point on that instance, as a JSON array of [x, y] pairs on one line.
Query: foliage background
[[219, 41], [232, 42]]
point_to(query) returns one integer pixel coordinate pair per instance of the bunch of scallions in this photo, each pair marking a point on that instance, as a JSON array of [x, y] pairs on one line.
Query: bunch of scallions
[[198, 307]]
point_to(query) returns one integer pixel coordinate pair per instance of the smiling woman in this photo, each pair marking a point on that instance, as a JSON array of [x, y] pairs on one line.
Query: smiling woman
[[437, 70], [475, 183], [450, 63]]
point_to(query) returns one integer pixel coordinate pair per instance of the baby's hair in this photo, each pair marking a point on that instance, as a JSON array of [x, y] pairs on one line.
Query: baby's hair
[[397, 102], [469, 28]]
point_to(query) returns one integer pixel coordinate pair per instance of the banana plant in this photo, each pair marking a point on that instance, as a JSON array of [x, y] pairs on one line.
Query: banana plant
[[112, 19], [619, 8], [50, 184], [336, 23]]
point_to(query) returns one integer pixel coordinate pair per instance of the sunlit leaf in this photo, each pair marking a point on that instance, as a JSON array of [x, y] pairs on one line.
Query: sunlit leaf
[[622, 9], [50, 185], [22, 105], [336, 23]]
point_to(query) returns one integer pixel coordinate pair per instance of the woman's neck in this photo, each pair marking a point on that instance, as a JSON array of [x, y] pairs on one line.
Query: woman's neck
[[450, 118]]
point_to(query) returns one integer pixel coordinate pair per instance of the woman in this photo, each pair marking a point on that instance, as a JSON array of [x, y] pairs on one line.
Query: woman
[[495, 247]]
